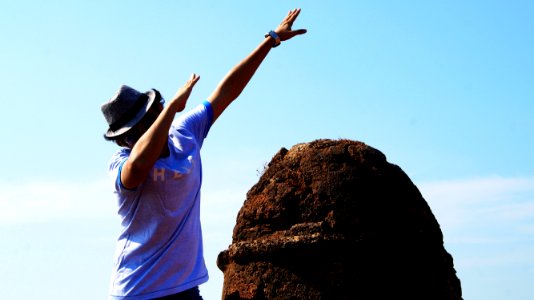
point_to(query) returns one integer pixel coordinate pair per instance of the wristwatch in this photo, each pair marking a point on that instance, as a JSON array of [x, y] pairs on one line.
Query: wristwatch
[[275, 36]]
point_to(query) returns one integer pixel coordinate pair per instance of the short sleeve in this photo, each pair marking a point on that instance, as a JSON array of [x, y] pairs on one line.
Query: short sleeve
[[115, 168], [197, 121]]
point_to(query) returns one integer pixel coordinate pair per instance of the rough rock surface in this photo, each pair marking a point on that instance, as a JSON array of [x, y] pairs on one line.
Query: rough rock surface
[[334, 220]]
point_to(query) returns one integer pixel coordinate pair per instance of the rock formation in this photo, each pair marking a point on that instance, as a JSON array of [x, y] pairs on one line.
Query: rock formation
[[334, 220]]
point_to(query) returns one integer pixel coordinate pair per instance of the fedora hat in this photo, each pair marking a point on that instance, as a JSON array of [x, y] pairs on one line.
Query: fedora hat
[[126, 109]]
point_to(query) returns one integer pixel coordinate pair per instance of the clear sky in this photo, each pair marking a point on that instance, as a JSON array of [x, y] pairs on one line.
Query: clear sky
[[445, 89]]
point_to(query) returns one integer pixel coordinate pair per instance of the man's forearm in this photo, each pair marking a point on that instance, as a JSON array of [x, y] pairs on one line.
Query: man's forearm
[[147, 150], [149, 146], [235, 81], [152, 143]]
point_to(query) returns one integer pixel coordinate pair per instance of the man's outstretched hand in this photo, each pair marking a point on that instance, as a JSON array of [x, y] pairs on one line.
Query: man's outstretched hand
[[284, 30], [180, 98]]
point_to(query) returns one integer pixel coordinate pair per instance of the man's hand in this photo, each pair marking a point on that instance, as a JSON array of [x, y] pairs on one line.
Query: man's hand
[[180, 98], [284, 30]]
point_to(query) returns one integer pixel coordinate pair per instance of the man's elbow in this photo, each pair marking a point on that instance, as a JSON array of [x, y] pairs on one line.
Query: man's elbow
[[134, 173]]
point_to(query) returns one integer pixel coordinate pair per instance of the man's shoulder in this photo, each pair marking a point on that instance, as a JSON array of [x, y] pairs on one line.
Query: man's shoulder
[[118, 157]]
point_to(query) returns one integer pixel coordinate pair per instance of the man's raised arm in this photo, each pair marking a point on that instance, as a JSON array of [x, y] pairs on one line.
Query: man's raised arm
[[235, 81]]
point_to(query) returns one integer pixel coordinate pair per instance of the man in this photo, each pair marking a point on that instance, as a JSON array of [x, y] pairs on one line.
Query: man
[[158, 176]]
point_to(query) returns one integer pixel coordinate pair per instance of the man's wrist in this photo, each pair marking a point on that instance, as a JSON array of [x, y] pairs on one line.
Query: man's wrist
[[276, 38]]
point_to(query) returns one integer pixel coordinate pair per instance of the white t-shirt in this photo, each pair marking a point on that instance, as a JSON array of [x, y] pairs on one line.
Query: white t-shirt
[[159, 251]]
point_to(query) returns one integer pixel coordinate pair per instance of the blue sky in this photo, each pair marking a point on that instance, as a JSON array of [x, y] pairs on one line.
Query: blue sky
[[443, 88]]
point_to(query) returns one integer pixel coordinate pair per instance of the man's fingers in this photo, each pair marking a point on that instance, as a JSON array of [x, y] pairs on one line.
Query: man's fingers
[[193, 79], [291, 16], [296, 13], [300, 31], [294, 33]]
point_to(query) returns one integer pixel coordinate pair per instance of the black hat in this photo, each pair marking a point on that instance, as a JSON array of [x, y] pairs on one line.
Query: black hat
[[126, 109]]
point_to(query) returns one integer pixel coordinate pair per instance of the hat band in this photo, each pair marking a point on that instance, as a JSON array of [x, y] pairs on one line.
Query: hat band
[[129, 114]]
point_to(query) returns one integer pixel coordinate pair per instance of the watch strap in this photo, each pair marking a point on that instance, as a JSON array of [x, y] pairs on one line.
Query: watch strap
[[275, 36]]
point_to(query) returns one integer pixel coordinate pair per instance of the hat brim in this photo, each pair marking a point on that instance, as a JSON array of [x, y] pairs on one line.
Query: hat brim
[[140, 114]]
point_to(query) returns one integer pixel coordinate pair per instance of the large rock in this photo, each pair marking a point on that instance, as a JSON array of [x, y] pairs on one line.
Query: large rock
[[334, 220]]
